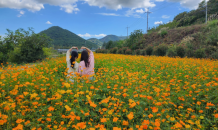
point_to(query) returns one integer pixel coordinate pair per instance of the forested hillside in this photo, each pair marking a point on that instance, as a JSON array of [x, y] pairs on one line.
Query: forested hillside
[[63, 38], [111, 38], [193, 17], [96, 41]]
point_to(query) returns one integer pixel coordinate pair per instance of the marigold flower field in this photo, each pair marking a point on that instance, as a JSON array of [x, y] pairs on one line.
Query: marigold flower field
[[129, 92]]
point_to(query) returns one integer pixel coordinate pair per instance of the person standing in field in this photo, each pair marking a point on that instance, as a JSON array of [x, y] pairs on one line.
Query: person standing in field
[[86, 65], [72, 65]]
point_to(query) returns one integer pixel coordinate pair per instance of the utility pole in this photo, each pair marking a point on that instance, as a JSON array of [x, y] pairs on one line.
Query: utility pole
[[147, 18], [127, 31], [206, 10]]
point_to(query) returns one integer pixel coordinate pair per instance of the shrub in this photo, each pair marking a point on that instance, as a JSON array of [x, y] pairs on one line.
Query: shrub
[[128, 51], [114, 50], [120, 51], [189, 52], [171, 52], [200, 53], [180, 50], [163, 33], [149, 50], [143, 52], [160, 50], [209, 50], [214, 55], [212, 37], [124, 49], [138, 52]]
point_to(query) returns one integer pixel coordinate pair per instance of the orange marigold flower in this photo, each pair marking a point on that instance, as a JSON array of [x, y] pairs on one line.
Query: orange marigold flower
[[82, 125], [178, 125], [216, 115], [18, 121], [146, 122], [150, 115], [115, 119], [48, 119], [103, 120], [116, 128], [51, 108], [125, 123], [130, 116]]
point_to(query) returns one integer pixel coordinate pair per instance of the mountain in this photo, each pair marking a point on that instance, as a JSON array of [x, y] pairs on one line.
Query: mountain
[[96, 41], [111, 38], [63, 38]]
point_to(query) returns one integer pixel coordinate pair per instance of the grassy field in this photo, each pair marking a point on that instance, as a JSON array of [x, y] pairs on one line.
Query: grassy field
[[129, 92]]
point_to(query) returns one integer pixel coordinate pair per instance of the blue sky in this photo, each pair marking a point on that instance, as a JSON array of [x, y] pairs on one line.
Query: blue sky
[[90, 18]]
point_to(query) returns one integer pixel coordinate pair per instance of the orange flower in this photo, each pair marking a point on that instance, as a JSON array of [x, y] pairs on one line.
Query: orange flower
[[103, 120], [124, 95], [216, 115], [116, 128], [115, 119], [51, 108], [200, 111], [178, 125], [125, 123], [18, 121], [82, 125], [150, 115], [154, 109], [48, 119], [146, 122], [130, 116]]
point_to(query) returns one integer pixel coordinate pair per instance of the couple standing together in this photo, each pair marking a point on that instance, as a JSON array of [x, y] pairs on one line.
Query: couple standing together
[[86, 65]]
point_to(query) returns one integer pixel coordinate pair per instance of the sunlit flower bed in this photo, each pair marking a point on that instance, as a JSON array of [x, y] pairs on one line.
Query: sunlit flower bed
[[129, 92]]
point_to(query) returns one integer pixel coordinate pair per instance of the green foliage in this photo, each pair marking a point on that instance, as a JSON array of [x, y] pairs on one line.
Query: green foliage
[[160, 50], [180, 50], [149, 50], [63, 38], [114, 50], [135, 37], [112, 38], [124, 49], [209, 50], [24, 46], [163, 33], [189, 52], [120, 51], [171, 52], [212, 37], [96, 41], [214, 55], [200, 53], [128, 52]]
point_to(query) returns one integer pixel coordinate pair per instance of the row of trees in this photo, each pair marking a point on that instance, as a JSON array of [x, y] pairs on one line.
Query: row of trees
[[23, 46]]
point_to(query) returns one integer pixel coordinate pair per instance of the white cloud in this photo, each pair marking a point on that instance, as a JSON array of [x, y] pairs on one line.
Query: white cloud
[[31, 5], [100, 35], [109, 14], [140, 11], [84, 35], [21, 13], [165, 16], [70, 8], [48, 22], [71, 5], [119, 4], [89, 35], [158, 22], [191, 4], [37, 5]]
